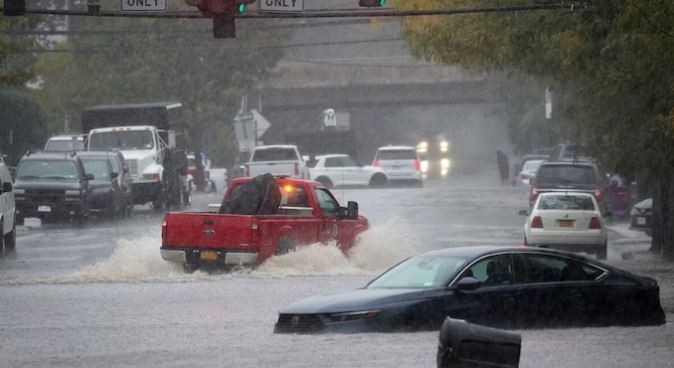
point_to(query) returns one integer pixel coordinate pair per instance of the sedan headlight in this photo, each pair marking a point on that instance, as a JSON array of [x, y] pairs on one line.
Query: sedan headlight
[[353, 316]]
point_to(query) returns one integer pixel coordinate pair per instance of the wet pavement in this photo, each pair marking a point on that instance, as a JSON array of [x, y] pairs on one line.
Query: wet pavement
[[100, 295]]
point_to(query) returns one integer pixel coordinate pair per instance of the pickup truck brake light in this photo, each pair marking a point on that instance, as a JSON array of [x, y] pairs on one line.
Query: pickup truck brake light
[[163, 233]]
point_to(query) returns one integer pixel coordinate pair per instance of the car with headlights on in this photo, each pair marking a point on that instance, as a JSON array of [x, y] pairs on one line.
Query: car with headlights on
[[570, 221], [342, 170], [52, 186], [496, 286]]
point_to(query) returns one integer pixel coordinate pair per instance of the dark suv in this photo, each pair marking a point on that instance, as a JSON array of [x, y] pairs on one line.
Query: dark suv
[[569, 176], [51, 186]]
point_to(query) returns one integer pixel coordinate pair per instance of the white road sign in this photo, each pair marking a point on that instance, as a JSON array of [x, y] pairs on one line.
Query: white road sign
[[287, 6], [144, 5]]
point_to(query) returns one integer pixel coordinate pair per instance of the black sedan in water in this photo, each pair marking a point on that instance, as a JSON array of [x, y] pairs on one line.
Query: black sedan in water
[[492, 286]]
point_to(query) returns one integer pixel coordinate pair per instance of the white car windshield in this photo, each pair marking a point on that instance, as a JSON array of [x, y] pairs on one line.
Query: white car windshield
[[124, 140]]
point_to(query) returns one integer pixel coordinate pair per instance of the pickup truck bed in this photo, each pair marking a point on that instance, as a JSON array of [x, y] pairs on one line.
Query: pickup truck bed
[[194, 238]]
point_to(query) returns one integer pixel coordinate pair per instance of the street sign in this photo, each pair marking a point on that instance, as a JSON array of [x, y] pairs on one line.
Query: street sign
[[282, 6], [144, 5], [262, 124]]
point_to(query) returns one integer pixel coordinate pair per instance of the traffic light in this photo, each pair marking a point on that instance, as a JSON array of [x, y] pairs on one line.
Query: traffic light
[[13, 7], [222, 12], [372, 3]]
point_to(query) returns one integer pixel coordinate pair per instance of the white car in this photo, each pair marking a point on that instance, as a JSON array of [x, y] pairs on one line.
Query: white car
[[342, 170], [529, 170], [570, 221], [7, 209], [65, 143], [400, 163]]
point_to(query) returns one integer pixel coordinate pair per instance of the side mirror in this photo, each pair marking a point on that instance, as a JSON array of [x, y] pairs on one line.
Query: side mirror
[[468, 284], [6, 187], [114, 175], [523, 213], [352, 210], [89, 177]]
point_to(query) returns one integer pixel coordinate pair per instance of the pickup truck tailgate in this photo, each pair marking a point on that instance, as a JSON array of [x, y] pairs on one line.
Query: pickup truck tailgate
[[206, 230]]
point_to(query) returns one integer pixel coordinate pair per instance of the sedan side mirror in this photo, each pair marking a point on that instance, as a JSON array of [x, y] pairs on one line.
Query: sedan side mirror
[[468, 283], [523, 213], [89, 177], [352, 210]]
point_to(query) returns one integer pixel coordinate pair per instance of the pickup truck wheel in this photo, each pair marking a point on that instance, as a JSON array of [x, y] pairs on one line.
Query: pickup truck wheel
[[378, 180], [10, 239], [284, 246], [325, 181]]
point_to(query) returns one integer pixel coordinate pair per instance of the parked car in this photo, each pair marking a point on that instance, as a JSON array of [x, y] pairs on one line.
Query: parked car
[[641, 216], [7, 209], [121, 178], [400, 163], [571, 221], [260, 217], [508, 287], [52, 186], [65, 143], [342, 170], [277, 160], [569, 176], [529, 170], [107, 196]]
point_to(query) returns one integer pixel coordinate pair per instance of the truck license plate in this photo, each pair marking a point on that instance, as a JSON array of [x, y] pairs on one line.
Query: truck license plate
[[641, 221], [43, 209], [209, 255]]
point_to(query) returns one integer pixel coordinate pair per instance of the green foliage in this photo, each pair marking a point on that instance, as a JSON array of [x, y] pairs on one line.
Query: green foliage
[[610, 68], [16, 65], [141, 60]]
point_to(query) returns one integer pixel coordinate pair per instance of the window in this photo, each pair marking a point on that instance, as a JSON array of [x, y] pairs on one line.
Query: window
[[496, 270], [328, 203], [420, 272], [333, 162], [275, 154], [402, 154], [294, 196], [128, 139], [566, 202], [64, 145], [47, 170], [99, 168], [566, 174], [544, 268]]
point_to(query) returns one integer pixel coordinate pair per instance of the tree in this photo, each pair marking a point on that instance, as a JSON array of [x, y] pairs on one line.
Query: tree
[[611, 65], [139, 60], [21, 124]]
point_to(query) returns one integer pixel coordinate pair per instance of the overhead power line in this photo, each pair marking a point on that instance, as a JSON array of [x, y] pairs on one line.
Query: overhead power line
[[347, 13]]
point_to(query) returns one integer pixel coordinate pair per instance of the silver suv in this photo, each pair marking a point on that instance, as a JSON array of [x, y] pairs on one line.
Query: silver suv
[[7, 209]]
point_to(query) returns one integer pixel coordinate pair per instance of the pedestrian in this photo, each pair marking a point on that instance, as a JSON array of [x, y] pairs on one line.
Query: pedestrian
[[503, 167]]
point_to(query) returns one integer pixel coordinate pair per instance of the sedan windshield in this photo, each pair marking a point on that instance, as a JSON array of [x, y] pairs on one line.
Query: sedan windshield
[[47, 170], [420, 272]]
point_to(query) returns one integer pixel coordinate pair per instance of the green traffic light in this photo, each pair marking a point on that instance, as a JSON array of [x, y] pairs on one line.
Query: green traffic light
[[241, 8], [382, 2]]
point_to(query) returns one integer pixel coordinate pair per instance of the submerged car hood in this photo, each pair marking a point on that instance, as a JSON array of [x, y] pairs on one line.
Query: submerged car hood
[[47, 184], [352, 301]]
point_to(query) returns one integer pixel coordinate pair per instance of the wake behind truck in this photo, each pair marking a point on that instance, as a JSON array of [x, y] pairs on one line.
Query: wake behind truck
[[144, 134]]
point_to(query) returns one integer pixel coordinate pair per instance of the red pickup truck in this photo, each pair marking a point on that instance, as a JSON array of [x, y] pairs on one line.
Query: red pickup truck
[[307, 213]]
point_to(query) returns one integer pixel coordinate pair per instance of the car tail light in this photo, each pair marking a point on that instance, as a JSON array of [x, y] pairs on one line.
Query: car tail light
[[537, 223], [598, 194], [297, 169], [533, 193], [247, 173], [595, 223], [377, 164], [417, 165]]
